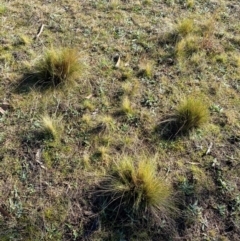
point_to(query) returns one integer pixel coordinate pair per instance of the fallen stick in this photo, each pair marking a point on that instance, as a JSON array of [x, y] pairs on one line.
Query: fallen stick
[[209, 148], [40, 30]]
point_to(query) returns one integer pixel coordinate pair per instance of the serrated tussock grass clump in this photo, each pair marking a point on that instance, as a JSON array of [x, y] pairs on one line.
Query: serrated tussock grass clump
[[59, 67], [51, 127], [136, 189], [107, 122], [185, 27], [182, 29], [146, 68], [186, 47], [190, 114], [190, 3], [126, 107]]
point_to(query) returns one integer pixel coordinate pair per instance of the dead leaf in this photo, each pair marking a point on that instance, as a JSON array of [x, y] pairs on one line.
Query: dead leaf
[[117, 65], [89, 96]]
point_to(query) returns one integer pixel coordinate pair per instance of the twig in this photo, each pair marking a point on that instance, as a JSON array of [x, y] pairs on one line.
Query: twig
[[38, 159], [2, 111], [209, 148], [40, 30], [194, 163]]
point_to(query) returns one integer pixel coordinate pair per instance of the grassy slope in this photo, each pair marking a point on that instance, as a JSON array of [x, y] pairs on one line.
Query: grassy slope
[[163, 60]]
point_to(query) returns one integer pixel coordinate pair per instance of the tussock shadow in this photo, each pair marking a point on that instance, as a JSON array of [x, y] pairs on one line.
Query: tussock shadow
[[97, 129], [32, 81], [168, 129], [111, 208], [90, 227], [34, 139], [26, 83], [116, 215], [168, 38]]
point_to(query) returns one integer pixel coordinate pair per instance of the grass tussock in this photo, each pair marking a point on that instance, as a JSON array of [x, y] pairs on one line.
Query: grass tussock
[[126, 106], [190, 114], [136, 188], [146, 68], [107, 122], [51, 127], [59, 67], [187, 47], [185, 27], [190, 3]]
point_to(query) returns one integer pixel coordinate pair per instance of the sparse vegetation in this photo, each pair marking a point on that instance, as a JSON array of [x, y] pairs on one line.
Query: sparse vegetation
[[93, 91]]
